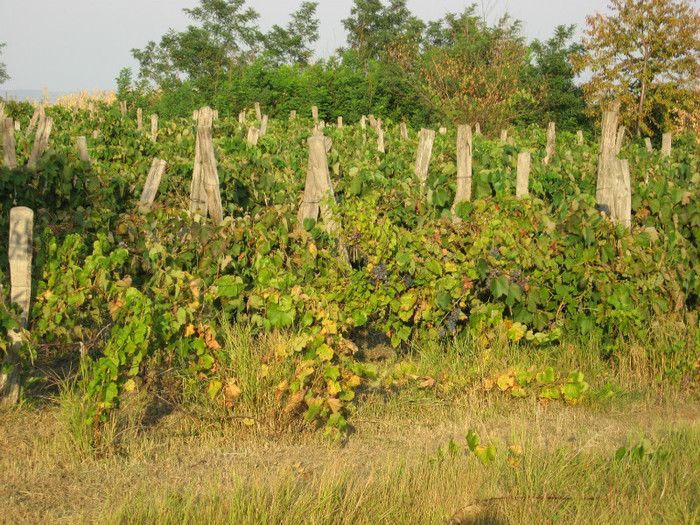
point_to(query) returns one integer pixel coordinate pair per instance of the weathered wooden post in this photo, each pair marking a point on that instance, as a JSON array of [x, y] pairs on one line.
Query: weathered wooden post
[[253, 134], [293, 114], [477, 129], [258, 112], [9, 149], [622, 191], [139, 119], [620, 139], [403, 130], [426, 137], [36, 117], [152, 182], [606, 158], [91, 109], [318, 190], [523, 174], [464, 166], [20, 256], [442, 130], [380, 140], [504, 135], [340, 122], [314, 113], [241, 117], [263, 125], [204, 190], [81, 144], [647, 143], [122, 107], [666, 140], [41, 141], [551, 143], [579, 137], [154, 127]]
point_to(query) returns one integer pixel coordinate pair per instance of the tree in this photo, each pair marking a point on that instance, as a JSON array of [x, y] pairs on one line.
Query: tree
[[225, 38], [3, 68], [372, 27], [551, 70], [292, 45], [645, 53], [467, 71]]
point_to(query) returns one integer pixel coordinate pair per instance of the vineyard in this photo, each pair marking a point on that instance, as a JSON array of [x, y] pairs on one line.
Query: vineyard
[[136, 293]]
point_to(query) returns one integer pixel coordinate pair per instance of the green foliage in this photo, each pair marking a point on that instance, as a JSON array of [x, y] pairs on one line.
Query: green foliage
[[4, 76]]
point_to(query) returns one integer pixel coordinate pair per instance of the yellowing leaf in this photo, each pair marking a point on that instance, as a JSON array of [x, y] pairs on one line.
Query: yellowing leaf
[[189, 330], [334, 404], [505, 381], [294, 401], [232, 390]]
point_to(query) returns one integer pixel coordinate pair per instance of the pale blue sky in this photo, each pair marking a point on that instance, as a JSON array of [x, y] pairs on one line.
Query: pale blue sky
[[71, 45]]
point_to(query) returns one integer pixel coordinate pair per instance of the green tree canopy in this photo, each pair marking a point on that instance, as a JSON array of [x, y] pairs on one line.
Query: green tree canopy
[[3, 68], [292, 45], [646, 54]]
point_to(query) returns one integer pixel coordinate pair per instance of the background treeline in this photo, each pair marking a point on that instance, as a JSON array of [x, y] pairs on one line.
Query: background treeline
[[456, 69]]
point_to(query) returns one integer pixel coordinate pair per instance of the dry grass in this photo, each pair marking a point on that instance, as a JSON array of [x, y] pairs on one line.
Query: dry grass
[[160, 464]]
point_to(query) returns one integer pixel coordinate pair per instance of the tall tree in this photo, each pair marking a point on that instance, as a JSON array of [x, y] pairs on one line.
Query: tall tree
[[292, 45], [225, 37], [551, 70], [372, 27], [3, 68], [646, 53], [466, 70]]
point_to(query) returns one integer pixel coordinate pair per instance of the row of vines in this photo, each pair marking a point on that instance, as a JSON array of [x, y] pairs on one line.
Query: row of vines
[[129, 288]]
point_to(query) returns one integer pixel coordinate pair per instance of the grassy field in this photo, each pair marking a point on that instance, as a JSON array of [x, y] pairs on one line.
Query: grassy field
[[171, 456]]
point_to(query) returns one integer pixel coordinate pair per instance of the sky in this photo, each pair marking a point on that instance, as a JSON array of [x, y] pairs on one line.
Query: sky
[[81, 45]]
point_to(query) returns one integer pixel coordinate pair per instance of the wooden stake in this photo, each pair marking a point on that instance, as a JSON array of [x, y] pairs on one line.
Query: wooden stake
[[340, 122], [154, 127], [608, 143], [9, 149], [293, 114], [20, 256], [81, 144], [647, 143], [122, 107], [551, 143], [205, 196], [241, 117], [314, 113], [139, 119], [41, 141], [263, 125], [620, 139], [523, 176], [403, 130], [258, 113], [380, 140], [579, 137], [666, 140], [253, 134], [426, 137], [477, 129], [504, 135], [152, 182], [464, 166]]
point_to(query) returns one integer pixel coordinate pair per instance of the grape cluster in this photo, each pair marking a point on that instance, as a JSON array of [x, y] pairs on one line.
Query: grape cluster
[[495, 252], [379, 273], [452, 320], [517, 277], [407, 280]]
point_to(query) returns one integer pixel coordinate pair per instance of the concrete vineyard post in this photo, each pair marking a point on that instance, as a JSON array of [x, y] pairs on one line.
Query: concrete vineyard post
[[36, 116], [81, 144], [20, 257], [41, 141], [340, 122], [579, 137], [258, 112], [666, 140], [380, 140], [523, 174], [293, 114], [443, 130], [263, 125], [464, 166], [154, 127], [504, 135], [403, 130], [152, 182], [426, 137], [622, 211], [314, 113], [551, 142], [139, 119], [647, 144], [606, 159], [477, 129], [9, 149], [241, 117]]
